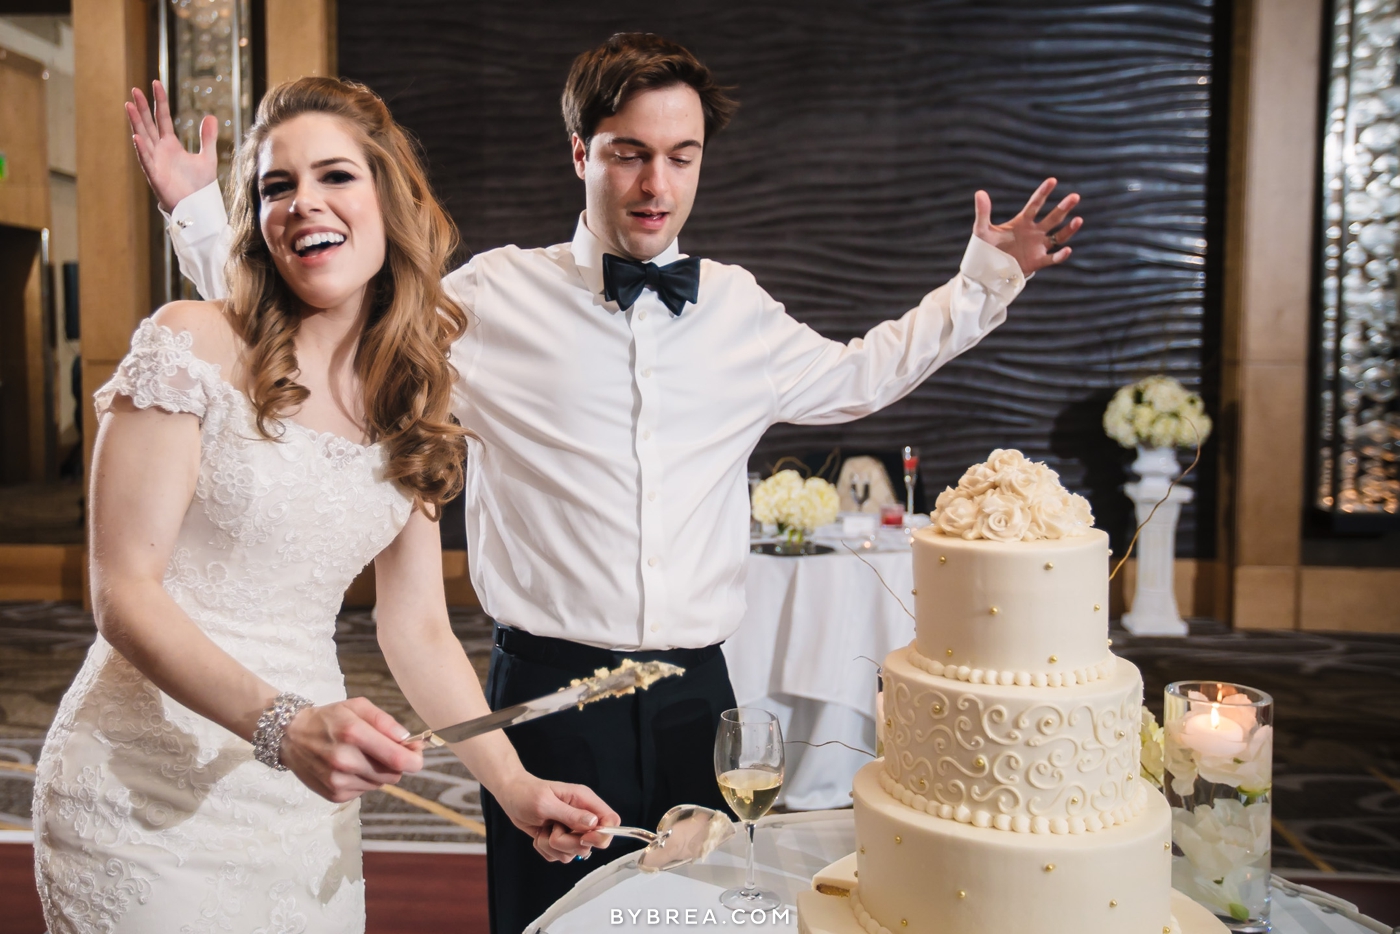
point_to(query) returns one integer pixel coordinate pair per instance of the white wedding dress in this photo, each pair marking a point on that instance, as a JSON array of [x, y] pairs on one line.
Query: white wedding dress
[[149, 818]]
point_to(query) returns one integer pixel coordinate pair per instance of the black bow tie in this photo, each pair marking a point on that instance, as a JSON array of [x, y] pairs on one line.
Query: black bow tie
[[675, 283]]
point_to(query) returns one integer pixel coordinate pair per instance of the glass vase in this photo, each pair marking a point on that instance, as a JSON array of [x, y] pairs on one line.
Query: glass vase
[[794, 541], [1219, 772]]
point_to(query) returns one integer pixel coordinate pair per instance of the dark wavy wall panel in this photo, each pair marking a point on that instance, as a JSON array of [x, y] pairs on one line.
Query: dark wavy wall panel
[[845, 183]]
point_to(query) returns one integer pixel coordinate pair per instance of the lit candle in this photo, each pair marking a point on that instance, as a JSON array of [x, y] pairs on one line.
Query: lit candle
[[1213, 735]]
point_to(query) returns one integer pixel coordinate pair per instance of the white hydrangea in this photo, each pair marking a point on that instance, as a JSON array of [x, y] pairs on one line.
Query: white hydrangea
[[1159, 412], [1010, 498], [787, 500]]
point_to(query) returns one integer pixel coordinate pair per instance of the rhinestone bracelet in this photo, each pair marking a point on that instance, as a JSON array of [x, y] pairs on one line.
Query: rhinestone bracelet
[[267, 738]]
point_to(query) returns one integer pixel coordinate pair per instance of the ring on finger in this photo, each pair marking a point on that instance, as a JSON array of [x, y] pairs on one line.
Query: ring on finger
[[1054, 243]]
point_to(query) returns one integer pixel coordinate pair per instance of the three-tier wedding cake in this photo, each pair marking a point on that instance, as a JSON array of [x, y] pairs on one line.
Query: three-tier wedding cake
[[1009, 796]]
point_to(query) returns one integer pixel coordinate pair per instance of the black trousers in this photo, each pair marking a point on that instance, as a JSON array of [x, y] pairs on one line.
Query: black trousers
[[642, 754]]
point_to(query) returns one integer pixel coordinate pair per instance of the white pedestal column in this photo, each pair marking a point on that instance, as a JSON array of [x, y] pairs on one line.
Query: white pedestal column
[[1154, 611]]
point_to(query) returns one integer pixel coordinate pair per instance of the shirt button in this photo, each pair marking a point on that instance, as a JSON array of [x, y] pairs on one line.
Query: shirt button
[[642, 315], [646, 435], [647, 372], [652, 561], [652, 496]]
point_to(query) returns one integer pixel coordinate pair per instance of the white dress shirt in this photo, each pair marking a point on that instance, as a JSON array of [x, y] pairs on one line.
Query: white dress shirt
[[606, 491]]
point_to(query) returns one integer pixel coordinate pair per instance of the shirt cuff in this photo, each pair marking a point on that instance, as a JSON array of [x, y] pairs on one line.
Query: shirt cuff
[[198, 216], [996, 271]]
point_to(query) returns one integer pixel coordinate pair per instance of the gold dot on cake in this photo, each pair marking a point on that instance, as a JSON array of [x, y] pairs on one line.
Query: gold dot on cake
[[1120, 734], [942, 559], [1054, 659], [1096, 607], [996, 610], [950, 653], [1049, 867], [979, 763], [1049, 565], [1167, 846], [1166, 929], [889, 722], [1074, 799], [923, 783], [962, 893], [904, 923], [937, 708], [898, 838], [862, 851], [1110, 643], [1113, 903], [913, 593]]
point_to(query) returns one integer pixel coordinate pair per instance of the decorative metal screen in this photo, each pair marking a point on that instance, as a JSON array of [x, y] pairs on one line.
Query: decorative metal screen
[[1358, 425]]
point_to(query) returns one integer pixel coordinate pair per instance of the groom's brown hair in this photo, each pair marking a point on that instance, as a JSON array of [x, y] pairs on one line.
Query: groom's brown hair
[[602, 79]]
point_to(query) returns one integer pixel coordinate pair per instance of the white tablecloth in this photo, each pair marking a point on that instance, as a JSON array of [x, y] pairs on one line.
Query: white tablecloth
[[790, 848], [815, 632]]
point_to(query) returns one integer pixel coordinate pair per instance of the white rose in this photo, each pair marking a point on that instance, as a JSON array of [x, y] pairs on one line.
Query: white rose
[[1081, 510], [1163, 433], [977, 479], [819, 504], [1005, 459], [1142, 418], [1051, 517], [1023, 481], [1163, 393], [1002, 518], [772, 498], [956, 513]]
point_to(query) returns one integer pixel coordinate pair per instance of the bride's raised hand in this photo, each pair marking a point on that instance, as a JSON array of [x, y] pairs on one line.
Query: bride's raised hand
[[342, 750], [172, 172]]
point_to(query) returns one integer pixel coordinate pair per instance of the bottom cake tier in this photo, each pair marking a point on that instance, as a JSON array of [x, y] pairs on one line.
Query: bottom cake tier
[[922, 874]]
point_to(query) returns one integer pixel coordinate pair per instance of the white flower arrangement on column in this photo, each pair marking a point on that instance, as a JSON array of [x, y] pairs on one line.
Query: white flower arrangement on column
[[1156, 415]]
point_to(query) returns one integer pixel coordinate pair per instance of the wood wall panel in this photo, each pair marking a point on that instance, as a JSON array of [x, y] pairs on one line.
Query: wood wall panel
[[845, 184]]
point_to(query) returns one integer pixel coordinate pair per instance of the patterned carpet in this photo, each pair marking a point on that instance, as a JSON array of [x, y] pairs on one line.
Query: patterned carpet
[[1337, 778]]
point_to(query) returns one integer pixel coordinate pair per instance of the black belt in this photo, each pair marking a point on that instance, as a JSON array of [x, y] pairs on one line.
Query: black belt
[[561, 653]]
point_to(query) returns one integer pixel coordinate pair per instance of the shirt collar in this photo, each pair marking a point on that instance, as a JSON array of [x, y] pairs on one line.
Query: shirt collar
[[588, 255]]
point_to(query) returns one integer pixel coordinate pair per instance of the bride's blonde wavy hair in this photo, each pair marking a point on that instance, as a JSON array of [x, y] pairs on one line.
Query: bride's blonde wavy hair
[[402, 358]]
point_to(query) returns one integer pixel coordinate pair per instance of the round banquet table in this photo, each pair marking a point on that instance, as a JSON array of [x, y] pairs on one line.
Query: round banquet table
[[816, 630], [791, 849]]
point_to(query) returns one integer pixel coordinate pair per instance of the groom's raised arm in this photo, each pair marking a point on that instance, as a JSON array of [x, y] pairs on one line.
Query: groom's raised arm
[[819, 381], [201, 235]]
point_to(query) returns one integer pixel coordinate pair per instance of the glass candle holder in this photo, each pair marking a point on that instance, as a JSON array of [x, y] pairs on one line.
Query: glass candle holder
[[1219, 772]]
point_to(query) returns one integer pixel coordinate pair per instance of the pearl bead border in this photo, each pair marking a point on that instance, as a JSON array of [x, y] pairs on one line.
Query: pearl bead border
[[1038, 679], [1020, 823]]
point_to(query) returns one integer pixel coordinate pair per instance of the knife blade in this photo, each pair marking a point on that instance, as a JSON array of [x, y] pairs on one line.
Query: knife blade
[[606, 684]]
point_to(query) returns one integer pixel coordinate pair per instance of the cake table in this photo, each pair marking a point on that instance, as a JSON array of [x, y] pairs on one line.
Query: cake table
[[791, 850]]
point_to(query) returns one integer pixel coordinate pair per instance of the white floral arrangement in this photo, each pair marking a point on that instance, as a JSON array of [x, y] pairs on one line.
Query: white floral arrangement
[[1011, 499], [1158, 412], [790, 502]]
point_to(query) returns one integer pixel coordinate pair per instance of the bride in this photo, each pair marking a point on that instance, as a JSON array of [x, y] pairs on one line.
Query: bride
[[204, 769]]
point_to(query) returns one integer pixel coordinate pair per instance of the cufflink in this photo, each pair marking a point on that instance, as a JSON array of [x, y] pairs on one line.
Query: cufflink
[[183, 222]]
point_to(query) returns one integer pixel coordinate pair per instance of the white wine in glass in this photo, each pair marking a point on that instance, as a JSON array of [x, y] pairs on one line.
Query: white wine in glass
[[749, 768]]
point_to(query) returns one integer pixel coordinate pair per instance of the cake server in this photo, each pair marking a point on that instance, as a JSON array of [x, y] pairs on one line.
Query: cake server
[[687, 832], [625, 679]]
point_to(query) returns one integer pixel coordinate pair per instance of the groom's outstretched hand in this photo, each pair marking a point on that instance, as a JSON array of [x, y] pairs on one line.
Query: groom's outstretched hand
[[558, 816], [1035, 243], [172, 172]]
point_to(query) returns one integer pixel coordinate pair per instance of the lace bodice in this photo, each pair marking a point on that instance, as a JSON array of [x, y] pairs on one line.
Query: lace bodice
[[277, 529], [149, 817]]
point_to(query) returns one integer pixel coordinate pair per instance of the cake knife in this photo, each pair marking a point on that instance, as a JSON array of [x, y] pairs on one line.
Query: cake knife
[[625, 679]]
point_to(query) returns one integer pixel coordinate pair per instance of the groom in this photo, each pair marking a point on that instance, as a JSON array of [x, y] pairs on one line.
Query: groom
[[615, 389]]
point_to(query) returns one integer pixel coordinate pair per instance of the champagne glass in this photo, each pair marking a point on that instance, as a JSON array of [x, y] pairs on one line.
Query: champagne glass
[[911, 473], [860, 490], [749, 767]]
